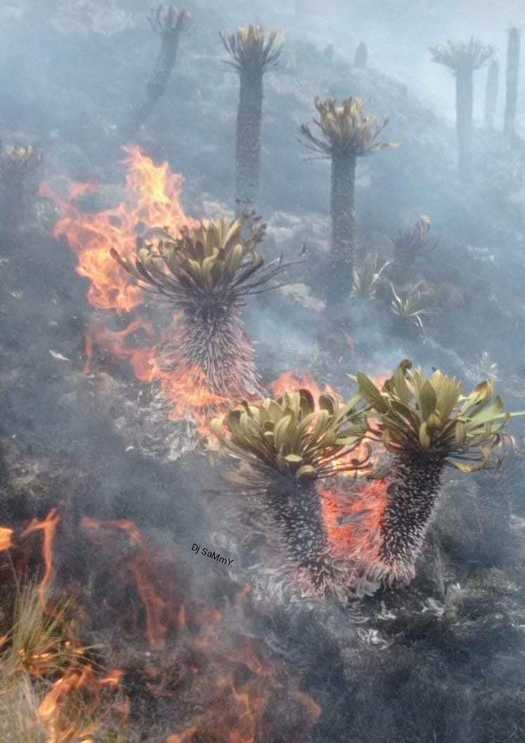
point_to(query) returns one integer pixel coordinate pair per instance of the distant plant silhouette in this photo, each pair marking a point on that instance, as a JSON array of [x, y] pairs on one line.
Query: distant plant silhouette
[[169, 23], [463, 58], [491, 94]]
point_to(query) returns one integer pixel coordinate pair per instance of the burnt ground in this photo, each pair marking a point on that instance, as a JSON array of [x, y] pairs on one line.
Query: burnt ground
[[437, 661]]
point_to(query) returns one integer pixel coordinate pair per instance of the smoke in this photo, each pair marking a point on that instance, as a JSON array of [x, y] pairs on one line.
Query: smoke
[[435, 660]]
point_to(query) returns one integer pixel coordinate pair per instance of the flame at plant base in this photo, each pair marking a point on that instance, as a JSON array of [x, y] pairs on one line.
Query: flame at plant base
[[203, 360], [285, 446], [426, 423]]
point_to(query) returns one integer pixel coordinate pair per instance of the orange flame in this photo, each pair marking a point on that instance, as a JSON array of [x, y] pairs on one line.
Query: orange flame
[[154, 604], [291, 381], [49, 528], [71, 701], [354, 532], [153, 201], [6, 539]]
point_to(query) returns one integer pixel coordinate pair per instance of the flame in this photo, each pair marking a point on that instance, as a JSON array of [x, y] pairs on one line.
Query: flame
[[6, 539], [49, 528], [354, 530], [154, 604], [152, 201], [69, 708], [291, 381]]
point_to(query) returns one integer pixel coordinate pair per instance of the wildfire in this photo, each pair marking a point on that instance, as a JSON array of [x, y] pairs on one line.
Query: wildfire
[[154, 604], [151, 207], [6, 539], [152, 201], [49, 528], [353, 525], [233, 673]]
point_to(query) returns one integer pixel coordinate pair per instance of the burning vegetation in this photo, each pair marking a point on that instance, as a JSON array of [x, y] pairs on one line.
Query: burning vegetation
[[315, 505]]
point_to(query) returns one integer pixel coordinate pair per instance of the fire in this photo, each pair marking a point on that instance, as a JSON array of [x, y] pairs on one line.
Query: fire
[[49, 528], [290, 381], [154, 604], [70, 710], [353, 523], [152, 201], [6, 539]]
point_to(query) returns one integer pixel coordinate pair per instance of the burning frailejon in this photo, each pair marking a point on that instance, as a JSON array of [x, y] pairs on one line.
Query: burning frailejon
[[206, 274], [285, 446], [205, 271], [425, 423], [372, 535]]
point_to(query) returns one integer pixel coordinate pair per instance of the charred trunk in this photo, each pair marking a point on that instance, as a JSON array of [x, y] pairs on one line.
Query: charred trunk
[[414, 491], [298, 511], [248, 143], [342, 209]]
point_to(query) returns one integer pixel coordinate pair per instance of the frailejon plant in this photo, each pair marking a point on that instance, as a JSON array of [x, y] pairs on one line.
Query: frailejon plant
[[512, 80], [426, 423], [284, 447], [169, 23], [343, 133], [206, 274], [252, 52], [463, 58]]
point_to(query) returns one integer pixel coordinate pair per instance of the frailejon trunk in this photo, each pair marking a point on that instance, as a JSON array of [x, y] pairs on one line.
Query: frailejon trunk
[[248, 143], [464, 114], [158, 81], [412, 496], [511, 98], [342, 209], [297, 510], [213, 339], [491, 94]]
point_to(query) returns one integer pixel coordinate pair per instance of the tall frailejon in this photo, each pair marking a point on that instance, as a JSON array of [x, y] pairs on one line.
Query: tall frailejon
[[346, 132], [252, 53], [463, 58], [511, 83], [169, 23], [491, 94]]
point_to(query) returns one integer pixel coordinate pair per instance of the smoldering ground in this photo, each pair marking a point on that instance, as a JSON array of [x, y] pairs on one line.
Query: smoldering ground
[[438, 660]]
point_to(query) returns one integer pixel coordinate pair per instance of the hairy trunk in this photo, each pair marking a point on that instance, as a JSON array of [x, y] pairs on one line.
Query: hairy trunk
[[214, 342], [464, 115], [158, 82], [511, 96], [297, 509], [342, 209], [248, 142], [412, 497], [491, 94]]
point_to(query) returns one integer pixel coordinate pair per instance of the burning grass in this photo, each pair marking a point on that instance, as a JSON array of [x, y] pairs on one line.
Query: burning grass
[[204, 678]]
